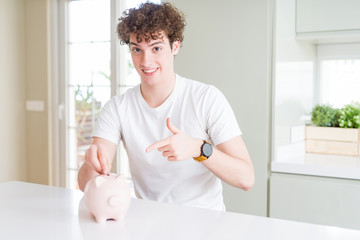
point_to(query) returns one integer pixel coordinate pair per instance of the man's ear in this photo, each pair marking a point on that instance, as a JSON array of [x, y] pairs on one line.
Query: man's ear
[[176, 47]]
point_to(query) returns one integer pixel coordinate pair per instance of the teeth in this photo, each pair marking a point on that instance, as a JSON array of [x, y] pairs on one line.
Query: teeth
[[150, 70]]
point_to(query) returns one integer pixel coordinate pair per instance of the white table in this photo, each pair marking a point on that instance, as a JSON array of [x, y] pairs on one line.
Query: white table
[[31, 211]]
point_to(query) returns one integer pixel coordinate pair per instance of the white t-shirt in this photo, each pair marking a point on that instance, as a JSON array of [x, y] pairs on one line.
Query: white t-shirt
[[199, 110]]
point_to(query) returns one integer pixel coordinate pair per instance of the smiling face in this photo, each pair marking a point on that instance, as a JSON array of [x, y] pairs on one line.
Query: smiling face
[[154, 60]]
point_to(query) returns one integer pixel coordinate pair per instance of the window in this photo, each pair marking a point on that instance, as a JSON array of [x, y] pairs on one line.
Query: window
[[95, 68], [88, 84], [339, 74]]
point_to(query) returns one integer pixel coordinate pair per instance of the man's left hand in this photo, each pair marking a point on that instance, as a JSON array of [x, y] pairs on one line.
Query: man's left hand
[[178, 147]]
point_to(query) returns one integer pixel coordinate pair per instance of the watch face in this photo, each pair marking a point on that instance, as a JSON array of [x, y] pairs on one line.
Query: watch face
[[207, 149]]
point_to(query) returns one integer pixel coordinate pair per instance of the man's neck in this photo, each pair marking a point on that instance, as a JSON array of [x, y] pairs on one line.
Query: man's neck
[[155, 95]]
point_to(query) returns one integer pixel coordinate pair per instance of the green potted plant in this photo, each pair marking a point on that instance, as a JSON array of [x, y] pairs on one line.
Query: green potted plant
[[325, 116], [350, 116], [334, 131]]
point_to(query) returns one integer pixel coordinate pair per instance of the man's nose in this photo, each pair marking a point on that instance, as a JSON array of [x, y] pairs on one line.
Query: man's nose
[[146, 58]]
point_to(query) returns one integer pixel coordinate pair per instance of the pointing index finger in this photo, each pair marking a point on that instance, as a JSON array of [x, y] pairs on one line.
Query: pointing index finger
[[158, 144]]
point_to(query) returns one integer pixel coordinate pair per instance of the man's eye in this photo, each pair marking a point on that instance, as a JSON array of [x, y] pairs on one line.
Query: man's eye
[[156, 49], [136, 50]]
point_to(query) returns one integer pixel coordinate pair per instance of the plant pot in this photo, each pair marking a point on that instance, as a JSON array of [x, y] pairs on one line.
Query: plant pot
[[332, 140]]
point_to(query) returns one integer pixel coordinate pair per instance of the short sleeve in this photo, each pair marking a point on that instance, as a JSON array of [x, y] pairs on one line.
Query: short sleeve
[[220, 118], [108, 123]]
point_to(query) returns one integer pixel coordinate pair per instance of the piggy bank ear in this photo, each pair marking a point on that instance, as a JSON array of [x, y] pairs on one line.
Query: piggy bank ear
[[99, 180]]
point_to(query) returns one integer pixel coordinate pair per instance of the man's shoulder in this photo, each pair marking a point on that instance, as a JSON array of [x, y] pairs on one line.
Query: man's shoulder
[[121, 101], [202, 92], [129, 94], [195, 86]]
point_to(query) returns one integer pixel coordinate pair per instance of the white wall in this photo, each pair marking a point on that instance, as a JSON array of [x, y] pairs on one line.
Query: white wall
[[227, 44], [295, 64], [24, 68], [12, 91], [37, 48]]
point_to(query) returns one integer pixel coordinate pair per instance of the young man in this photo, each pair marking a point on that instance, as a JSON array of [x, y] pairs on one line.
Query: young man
[[181, 135]]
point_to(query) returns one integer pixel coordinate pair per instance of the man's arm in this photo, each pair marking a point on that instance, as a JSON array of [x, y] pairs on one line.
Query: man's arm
[[98, 160], [230, 160]]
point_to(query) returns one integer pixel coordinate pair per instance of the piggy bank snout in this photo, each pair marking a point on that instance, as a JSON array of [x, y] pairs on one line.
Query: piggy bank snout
[[115, 201]]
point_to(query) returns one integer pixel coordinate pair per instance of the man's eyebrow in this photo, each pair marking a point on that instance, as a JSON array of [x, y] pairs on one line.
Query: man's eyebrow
[[158, 42]]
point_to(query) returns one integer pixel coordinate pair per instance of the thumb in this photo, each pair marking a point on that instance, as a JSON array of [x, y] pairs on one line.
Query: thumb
[[171, 127]]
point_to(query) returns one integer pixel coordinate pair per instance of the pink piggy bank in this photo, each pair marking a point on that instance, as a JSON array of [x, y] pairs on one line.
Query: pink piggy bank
[[107, 197]]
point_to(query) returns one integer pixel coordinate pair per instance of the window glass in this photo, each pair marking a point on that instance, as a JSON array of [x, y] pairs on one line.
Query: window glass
[[340, 81], [89, 86], [88, 21]]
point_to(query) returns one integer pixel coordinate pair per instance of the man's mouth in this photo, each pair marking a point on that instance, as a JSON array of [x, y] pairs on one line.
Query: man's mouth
[[149, 71]]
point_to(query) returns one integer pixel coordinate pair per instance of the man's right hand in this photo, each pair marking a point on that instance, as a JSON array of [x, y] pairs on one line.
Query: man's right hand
[[98, 160], [95, 157]]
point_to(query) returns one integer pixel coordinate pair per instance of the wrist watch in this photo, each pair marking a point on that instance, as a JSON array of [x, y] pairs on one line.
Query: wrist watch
[[206, 151]]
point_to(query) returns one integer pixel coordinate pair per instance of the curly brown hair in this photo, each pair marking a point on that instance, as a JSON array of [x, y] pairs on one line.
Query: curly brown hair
[[148, 20]]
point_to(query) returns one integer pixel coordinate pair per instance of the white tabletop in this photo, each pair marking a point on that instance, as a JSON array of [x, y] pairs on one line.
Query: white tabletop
[[31, 211]]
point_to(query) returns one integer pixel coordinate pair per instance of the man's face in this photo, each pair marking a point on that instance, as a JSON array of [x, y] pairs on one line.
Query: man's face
[[153, 60]]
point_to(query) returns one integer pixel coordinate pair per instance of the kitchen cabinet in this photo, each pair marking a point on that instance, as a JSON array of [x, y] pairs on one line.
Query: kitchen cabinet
[[327, 18], [314, 199]]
